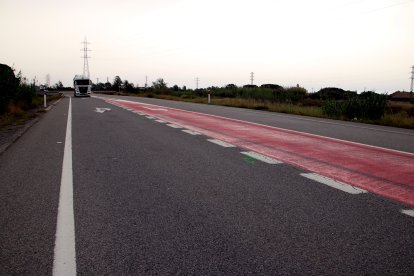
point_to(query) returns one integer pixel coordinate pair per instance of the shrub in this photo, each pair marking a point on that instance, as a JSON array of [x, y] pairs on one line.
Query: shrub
[[332, 109]]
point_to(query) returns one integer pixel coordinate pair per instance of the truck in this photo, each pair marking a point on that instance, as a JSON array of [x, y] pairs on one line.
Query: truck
[[82, 86]]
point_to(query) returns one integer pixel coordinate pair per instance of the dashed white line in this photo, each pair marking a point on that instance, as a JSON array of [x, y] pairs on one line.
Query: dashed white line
[[221, 143], [173, 126], [64, 262], [333, 183], [160, 121], [261, 157], [192, 132], [149, 117], [408, 212]]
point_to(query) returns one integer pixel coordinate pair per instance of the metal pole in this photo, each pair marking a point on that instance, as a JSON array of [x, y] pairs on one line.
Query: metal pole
[[44, 100]]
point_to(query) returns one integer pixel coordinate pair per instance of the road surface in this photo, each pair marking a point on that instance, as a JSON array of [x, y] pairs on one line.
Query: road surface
[[178, 188]]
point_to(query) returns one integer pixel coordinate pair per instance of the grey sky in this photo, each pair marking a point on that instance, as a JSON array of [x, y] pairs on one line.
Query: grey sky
[[352, 44]]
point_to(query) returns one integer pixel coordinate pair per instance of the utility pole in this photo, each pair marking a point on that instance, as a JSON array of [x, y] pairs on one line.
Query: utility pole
[[412, 79], [85, 58], [97, 80], [146, 81], [251, 78], [197, 81]]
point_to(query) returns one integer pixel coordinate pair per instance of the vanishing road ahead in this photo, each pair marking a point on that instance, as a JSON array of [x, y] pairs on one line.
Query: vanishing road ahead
[[122, 185]]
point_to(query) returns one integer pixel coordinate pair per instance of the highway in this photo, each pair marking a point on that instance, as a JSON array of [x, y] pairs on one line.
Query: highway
[[145, 186]]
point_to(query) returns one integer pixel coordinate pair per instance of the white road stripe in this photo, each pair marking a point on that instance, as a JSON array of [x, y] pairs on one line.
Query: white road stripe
[[64, 262], [333, 183], [160, 121], [173, 126], [149, 117], [221, 143], [261, 157], [408, 212], [192, 132]]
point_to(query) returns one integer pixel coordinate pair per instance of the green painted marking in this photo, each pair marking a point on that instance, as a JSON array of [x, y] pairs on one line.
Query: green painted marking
[[249, 160]]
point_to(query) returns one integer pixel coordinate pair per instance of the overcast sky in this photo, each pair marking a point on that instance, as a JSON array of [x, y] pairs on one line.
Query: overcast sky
[[352, 44]]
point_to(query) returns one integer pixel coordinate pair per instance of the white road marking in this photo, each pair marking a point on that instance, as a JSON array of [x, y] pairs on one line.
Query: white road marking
[[149, 117], [261, 157], [173, 126], [102, 109], [151, 108], [139, 113], [408, 212], [333, 183], [160, 121], [192, 132], [221, 143], [64, 262]]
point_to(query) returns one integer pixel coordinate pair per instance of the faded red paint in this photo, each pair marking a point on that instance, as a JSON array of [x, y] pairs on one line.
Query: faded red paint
[[382, 171]]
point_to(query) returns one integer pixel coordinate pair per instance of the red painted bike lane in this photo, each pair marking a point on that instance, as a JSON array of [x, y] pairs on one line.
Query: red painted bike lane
[[382, 171]]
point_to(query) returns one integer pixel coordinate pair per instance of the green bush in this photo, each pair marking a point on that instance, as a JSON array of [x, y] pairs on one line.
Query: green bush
[[332, 109], [8, 86], [365, 106]]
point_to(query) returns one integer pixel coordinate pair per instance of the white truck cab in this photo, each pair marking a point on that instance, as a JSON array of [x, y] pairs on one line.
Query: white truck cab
[[82, 86]]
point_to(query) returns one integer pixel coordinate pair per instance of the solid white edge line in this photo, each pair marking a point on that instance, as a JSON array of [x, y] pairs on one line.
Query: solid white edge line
[[261, 157], [173, 126], [333, 183], [192, 132], [64, 262], [408, 212], [221, 143]]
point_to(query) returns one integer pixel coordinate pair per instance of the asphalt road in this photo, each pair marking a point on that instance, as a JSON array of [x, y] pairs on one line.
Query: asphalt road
[[152, 199]]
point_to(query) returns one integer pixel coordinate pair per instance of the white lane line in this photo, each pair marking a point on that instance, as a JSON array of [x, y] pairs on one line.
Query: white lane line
[[139, 113], [160, 121], [261, 157], [221, 143], [408, 212], [192, 132], [333, 183], [159, 109], [149, 117], [173, 126], [64, 262]]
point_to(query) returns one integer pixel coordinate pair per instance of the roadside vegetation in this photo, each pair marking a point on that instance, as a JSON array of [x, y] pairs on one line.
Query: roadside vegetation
[[330, 102], [19, 101]]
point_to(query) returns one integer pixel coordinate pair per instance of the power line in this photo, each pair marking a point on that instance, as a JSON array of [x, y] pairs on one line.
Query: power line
[[386, 7]]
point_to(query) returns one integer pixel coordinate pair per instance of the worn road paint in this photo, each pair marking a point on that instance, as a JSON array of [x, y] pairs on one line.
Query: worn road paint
[[192, 132], [333, 183], [64, 262], [386, 172], [174, 126], [102, 109], [149, 117], [160, 121], [408, 212], [261, 157], [221, 143]]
